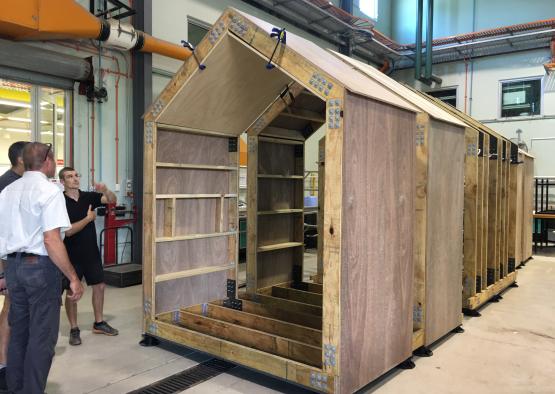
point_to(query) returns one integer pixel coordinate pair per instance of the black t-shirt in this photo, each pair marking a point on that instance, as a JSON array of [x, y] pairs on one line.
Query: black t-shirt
[[7, 178], [82, 247]]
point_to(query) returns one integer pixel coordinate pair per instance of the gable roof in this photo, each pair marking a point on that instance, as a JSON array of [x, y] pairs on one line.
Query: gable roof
[[401, 90]]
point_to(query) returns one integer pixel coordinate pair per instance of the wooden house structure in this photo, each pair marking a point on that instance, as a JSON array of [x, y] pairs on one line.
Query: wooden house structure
[[491, 222], [248, 76]]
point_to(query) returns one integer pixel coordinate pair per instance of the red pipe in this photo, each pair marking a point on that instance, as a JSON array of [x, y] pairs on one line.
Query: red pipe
[[117, 130], [92, 144], [465, 83]]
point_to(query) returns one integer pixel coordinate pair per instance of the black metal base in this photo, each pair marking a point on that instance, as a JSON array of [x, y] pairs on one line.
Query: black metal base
[[496, 298], [407, 364], [149, 341], [471, 312], [514, 284], [519, 267], [423, 351], [457, 330]]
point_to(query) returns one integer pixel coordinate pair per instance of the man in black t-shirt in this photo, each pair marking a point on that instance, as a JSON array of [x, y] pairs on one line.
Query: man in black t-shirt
[[82, 248]]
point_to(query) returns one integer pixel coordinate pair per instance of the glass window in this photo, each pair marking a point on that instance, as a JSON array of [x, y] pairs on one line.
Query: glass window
[[448, 96], [15, 117], [369, 7], [52, 124], [196, 30], [521, 98], [32, 113]]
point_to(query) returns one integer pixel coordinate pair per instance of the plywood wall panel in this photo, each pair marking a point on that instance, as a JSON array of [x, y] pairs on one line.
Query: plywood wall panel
[[445, 229], [377, 246]]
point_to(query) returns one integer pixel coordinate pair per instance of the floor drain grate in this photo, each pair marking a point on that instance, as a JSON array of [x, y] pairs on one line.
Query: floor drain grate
[[190, 377]]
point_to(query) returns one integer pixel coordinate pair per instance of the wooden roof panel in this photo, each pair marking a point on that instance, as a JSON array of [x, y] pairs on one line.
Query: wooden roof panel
[[399, 89]]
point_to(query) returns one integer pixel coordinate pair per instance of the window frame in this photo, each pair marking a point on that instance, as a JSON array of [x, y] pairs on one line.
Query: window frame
[[376, 10], [444, 88], [511, 80]]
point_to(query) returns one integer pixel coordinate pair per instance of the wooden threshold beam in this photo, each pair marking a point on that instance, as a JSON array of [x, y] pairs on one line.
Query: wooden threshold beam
[[291, 294]]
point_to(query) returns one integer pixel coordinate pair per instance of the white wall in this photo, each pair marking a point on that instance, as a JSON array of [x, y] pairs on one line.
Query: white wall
[[483, 97]]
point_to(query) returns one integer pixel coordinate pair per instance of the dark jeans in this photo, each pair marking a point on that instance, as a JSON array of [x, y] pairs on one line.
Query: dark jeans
[[34, 285]]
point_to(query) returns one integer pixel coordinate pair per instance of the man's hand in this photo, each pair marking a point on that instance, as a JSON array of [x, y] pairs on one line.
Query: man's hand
[[3, 288], [100, 187], [91, 214], [76, 288]]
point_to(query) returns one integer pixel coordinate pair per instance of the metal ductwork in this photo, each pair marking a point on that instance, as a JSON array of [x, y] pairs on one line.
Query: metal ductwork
[[42, 66], [66, 19]]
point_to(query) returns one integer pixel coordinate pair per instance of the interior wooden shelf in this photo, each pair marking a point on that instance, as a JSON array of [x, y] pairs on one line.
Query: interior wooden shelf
[[284, 245], [196, 166], [272, 176], [195, 236], [281, 141], [192, 272], [193, 196], [280, 212], [304, 115]]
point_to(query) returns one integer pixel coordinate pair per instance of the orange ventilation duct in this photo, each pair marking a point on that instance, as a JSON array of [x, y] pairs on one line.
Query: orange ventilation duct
[[66, 19]]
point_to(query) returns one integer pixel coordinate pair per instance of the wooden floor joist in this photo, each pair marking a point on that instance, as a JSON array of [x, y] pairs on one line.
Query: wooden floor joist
[[274, 344], [297, 332]]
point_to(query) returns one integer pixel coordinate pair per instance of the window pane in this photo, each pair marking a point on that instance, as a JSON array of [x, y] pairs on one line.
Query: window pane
[[52, 121], [521, 98], [448, 96], [195, 33], [369, 7], [15, 117]]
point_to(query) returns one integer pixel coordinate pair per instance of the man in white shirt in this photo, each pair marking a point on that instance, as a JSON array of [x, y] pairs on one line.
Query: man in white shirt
[[33, 215]]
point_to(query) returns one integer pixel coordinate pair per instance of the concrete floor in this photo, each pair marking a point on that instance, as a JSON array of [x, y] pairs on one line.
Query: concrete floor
[[510, 349]]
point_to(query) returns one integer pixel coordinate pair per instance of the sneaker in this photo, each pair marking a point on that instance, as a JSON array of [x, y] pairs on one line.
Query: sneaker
[[74, 336], [104, 328]]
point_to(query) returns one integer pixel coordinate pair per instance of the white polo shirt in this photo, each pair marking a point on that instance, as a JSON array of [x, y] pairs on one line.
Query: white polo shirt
[[29, 207]]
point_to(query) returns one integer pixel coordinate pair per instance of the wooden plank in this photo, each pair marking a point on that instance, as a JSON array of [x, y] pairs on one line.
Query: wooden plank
[[498, 287], [305, 297], [377, 274], [417, 339], [280, 212], [282, 314], [169, 218], [499, 221], [283, 245], [470, 262], [528, 206], [247, 356], [294, 350], [192, 272], [193, 196], [278, 132], [285, 177], [480, 256], [196, 166], [280, 140], [446, 199], [296, 332], [195, 236], [420, 222], [293, 306], [492, 218], [304, 115], [485, 212], [320, 218]]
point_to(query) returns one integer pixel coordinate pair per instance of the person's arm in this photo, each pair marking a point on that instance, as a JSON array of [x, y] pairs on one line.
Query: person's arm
[[80, 225], [58, 254], [108, 196]]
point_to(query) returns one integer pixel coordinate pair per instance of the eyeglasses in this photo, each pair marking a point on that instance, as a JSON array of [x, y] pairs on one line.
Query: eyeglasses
[[48, 150]]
